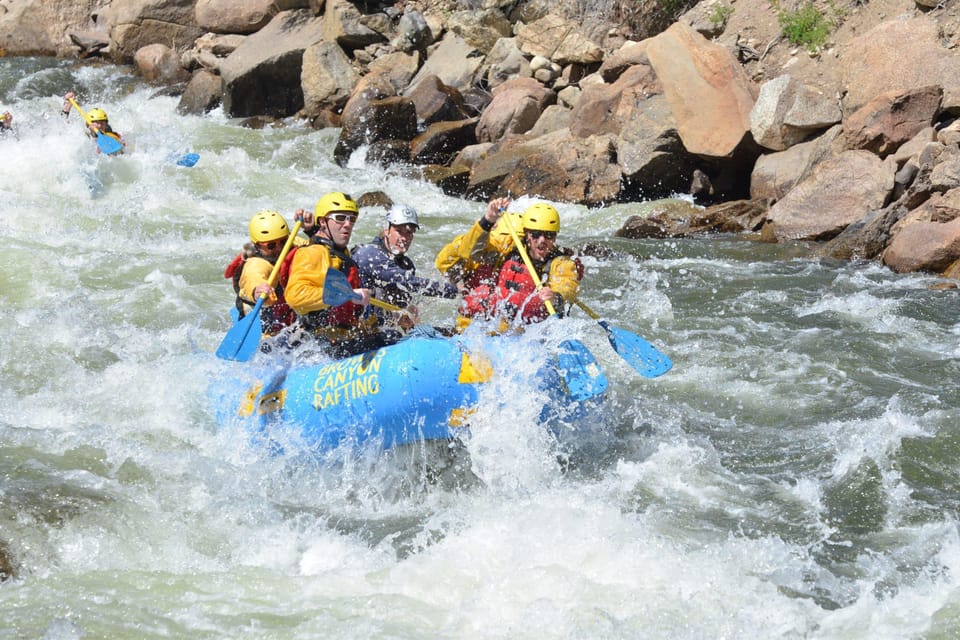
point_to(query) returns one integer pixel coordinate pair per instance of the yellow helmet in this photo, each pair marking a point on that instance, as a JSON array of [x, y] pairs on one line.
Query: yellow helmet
[[541, 217], [97, 115], [268, 225], [515, 220], [335, 202]]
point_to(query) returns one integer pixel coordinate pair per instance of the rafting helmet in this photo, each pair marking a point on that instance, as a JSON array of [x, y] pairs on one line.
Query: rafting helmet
[[97, 115], [511, 218], [541, 217], [268, 225], [335, 202], [402, 214]]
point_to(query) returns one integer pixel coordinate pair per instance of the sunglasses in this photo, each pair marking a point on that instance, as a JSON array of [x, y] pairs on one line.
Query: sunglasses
[[341, 218], [549, 235], [273, 244]]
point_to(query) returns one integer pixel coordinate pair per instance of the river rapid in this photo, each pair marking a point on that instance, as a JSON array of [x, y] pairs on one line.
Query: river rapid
[[795, 475]]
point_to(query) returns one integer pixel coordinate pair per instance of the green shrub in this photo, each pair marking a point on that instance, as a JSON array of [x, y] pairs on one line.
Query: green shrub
[[720, 14], [805, 26]]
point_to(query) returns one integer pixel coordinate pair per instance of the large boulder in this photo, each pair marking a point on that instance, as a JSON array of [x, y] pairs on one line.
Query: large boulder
[[516, 107], [559, 40], [392, 118], [210, 50], [263, 75], [204, 93], [787, 112], [555, 166], [899, 54], [42, 28], [159, 63], [839, 191], [891, 119], [708, 91], [343, 23], [241, 16], [456, 62], [326, 77], [928, 239], [436, 102], [441, 141], [480, 29], [137, 23], [775, 174]]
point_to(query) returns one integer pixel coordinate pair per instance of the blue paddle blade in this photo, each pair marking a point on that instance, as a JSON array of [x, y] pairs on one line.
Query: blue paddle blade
[[639, 354], [580, 371], [188, 159], [108, 144], [337, 289], [243, 338]]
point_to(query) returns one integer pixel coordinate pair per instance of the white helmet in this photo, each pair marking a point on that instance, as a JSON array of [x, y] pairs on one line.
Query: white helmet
[[402, 214]]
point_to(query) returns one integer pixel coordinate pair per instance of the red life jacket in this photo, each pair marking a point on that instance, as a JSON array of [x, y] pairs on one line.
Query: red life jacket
[[517, 292], [479, 300], [345, 315], [272, 318], [516, 289]]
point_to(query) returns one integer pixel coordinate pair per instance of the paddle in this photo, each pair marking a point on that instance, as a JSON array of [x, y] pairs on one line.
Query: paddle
[[582, 381], [188, 159], [242, 339], [508, 223], [639, 354], [337, 290], [108, 144]]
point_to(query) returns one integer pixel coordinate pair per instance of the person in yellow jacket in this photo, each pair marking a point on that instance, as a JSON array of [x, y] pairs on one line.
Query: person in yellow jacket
[[472, 262], [518, 298], [345, 329], [250, 271], [98, 121], [475, 261]]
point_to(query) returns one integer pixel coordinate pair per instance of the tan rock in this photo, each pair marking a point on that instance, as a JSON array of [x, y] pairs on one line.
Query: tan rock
[[928, 239], [840, 191], [559, 40], [899, 54], [709, 94]]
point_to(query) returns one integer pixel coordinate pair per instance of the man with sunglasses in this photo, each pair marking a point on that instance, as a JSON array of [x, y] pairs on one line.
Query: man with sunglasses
[[476, 260], [518, 297], [250, 271], [386, 268], [345, 329]]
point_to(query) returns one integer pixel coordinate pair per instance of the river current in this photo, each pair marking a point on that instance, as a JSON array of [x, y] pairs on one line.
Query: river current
[[795, 475]]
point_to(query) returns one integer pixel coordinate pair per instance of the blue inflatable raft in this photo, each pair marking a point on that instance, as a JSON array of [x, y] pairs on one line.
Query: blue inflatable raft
[[422, 388]]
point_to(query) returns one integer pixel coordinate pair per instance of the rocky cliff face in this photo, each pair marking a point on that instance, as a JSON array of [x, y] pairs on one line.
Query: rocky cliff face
[[848, 139]]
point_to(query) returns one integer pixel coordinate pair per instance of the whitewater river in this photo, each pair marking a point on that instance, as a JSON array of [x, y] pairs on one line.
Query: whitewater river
[[795, 475]]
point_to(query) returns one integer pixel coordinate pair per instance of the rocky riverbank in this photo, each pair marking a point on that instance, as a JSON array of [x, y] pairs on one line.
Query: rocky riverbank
[[850, 142]]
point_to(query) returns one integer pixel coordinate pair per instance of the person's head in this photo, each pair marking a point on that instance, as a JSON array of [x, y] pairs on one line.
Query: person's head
[[6, 119], [269, 232], [401, 223], [335, 215], [509, 220], [541, 223], [97, 119]]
